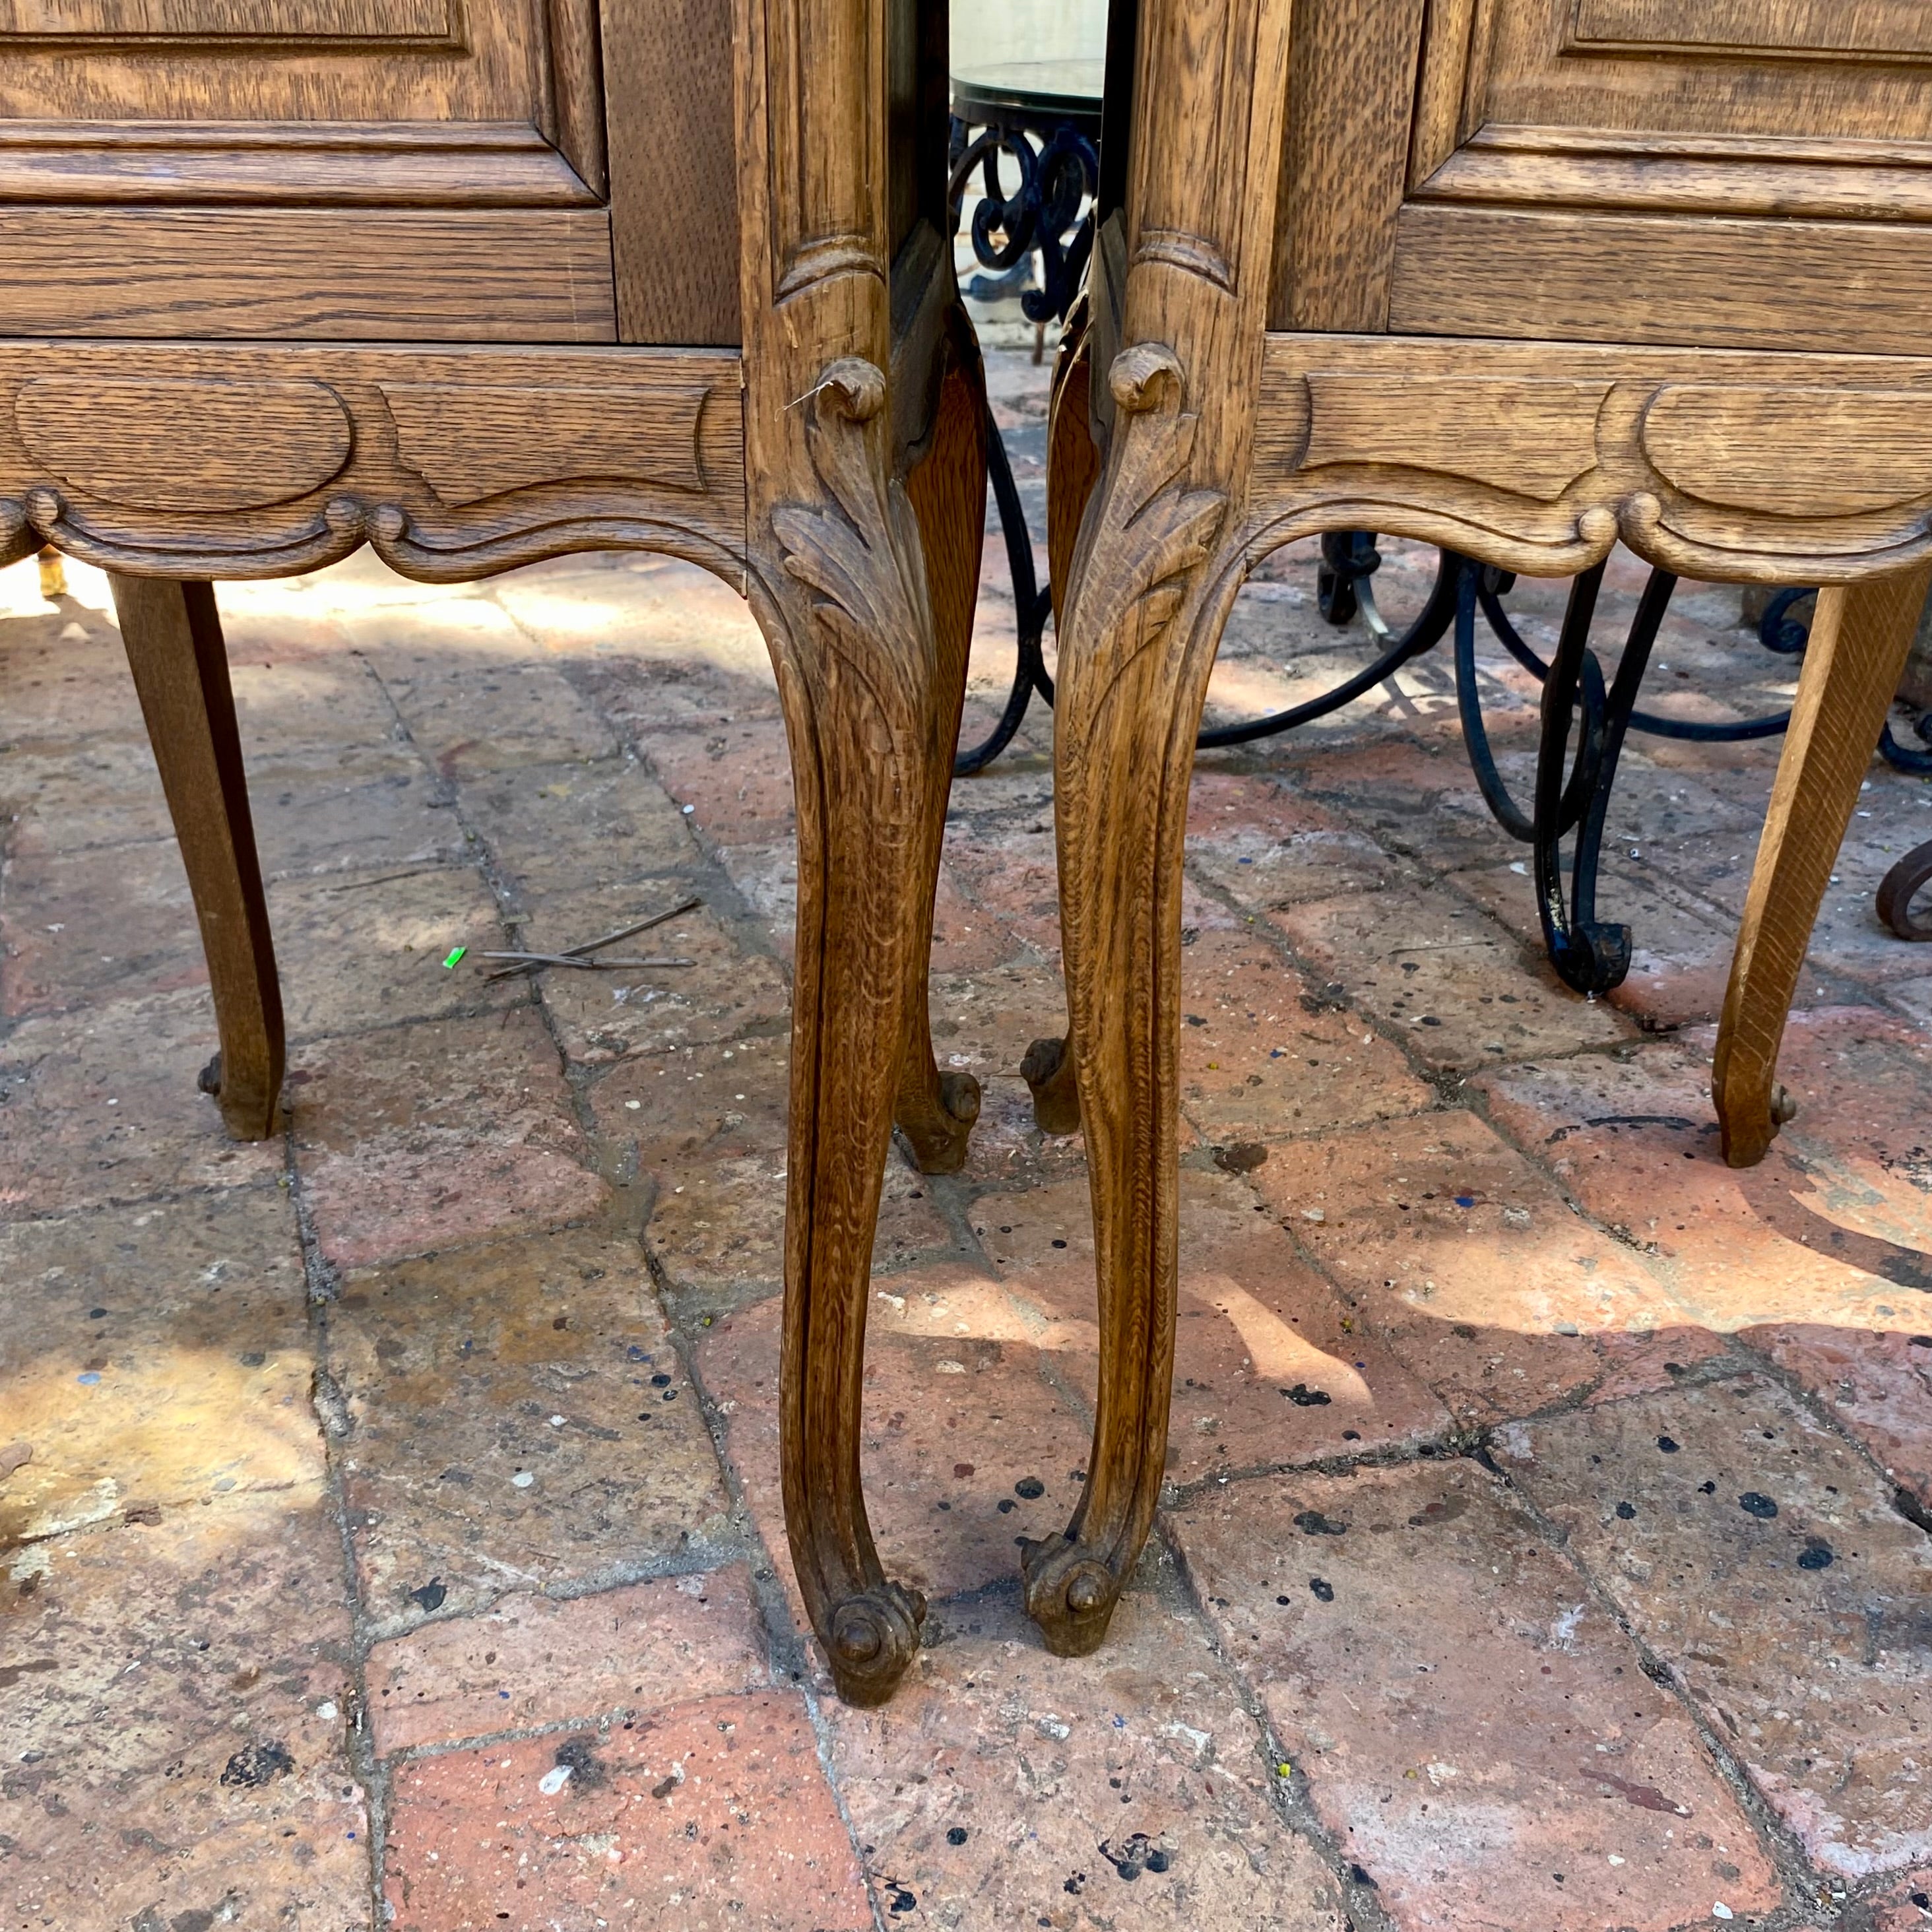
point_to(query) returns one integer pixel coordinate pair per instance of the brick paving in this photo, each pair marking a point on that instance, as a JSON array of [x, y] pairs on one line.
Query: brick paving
[[389, 1513]]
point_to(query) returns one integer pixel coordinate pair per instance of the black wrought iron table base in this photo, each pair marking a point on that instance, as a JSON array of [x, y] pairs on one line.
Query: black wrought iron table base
[[1572, 792]]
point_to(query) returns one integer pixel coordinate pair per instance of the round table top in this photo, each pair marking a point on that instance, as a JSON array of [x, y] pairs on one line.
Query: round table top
[[1040, 94]]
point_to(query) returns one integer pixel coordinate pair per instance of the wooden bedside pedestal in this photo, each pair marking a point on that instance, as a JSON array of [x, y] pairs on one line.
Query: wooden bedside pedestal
[[1520, 277], [477, 284]]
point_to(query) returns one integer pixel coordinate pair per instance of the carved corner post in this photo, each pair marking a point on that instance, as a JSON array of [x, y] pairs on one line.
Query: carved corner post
[[1860, 638], [837, 575], [1159, 559]]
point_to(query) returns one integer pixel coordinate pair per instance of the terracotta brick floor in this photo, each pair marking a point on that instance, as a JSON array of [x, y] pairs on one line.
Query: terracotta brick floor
[[389, 1513]]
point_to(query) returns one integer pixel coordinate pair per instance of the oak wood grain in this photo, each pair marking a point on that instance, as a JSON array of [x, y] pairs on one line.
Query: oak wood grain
[[1140, 620], [383, 163], [837, 571], [1743, 174], [574, 120], [469, 442], [1532, 63], [1892, 29], [382, 274], [184, 61], [480, 469], [947, 488], [1712, 463], [1529, 449], [1542, 273], [174, 21], [673, 168], [123, 439], [1351, 92]]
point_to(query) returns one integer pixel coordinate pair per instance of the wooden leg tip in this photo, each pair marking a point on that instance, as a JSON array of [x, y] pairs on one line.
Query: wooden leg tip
[[1748, 1132], [873, 1640], [247, 1116], [1048, 1070], [1070, 1594], [939, 1134]]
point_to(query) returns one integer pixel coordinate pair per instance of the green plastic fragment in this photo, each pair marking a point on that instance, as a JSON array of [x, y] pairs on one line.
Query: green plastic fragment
[[454, 957]]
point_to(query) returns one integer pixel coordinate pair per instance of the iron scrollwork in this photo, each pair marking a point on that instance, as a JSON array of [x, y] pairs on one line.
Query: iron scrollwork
[[1049, 213]]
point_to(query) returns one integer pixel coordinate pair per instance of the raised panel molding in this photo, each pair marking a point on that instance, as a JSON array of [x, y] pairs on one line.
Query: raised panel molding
[[1788, 452], [386, 274], [1189, 217], [1865, 30], [826, 209], [470, 442], [250, 461], [1531, 435], [389, 163], [225, 22], [199, 445], [1539, 457], [1541, 273], [1819, 180]]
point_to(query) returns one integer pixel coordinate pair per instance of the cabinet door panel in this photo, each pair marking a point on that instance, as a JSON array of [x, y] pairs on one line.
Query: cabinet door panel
[[188, 61], [384, 169], [1564, 159]]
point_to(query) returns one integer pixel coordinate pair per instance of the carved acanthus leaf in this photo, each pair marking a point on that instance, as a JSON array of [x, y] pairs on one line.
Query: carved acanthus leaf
[[860, 555], [1150, 529]]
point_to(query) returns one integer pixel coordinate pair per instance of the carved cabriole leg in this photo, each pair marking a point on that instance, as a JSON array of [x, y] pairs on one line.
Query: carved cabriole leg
[[947, 489], [853, 643], [1133, 674], [173, 636], [1142, 615], [835, 575], [1860, 637]]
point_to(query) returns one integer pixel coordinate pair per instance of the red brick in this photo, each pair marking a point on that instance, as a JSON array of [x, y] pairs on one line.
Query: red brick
[[603, 1015], [1495, 1303], [176, 1710], [111, 922], [706, 1817], [1450, 981], [1268, 846], [502, 1427], [1879, 1385], [1809, 1668], [104, 1104], [1737, 1247], [440, 1132], [736, 779], [1269, 1369], [1005, 1787], [950, 1385], [1264, 1053], [531, 1660], [1479, 1737], [154, 1360]]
